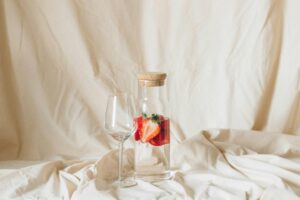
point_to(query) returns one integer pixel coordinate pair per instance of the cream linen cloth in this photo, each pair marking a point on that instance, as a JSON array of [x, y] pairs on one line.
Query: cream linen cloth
[[231, 64], [216, 164]]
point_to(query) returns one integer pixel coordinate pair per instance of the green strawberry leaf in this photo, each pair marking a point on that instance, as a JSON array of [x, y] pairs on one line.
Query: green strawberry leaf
[[155, 118], [144, 115]]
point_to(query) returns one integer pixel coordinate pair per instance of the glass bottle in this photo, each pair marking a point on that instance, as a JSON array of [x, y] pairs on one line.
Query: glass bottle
[[152, 138]]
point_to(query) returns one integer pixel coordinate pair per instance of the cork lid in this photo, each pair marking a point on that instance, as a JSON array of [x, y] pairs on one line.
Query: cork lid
[[152, 79]]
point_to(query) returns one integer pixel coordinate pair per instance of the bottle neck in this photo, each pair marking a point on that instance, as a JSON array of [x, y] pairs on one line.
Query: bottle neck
[[151, 100]]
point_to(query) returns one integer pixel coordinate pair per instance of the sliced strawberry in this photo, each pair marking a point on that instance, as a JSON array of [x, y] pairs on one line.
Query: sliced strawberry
[[149, 130], [164, 136], [139, 124], [137, 135]]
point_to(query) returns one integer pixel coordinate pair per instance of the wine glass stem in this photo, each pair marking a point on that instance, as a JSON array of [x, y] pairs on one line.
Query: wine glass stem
[[120, 160]]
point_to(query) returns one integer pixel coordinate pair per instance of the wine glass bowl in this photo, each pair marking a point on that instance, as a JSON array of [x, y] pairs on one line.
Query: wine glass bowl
[[119, 116]]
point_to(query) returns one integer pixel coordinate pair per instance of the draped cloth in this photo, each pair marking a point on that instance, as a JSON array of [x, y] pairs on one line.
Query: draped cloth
[[215, 164], [231, 65]]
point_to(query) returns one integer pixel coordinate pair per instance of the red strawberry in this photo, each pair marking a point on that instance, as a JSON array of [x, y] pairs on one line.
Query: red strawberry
[[139, 122], [161, 118], [164, 136], [149, 130]]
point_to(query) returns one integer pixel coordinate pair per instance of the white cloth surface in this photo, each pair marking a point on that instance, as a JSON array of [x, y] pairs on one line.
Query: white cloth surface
[[216, 164], [231, 65]]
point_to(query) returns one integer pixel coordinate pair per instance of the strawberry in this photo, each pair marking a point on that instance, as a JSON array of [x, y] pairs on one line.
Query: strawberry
[[149, 130], [139, 124], [161, 118], [164, 136]]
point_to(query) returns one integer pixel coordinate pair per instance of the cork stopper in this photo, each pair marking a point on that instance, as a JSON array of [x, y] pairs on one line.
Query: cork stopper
[[152, 79]]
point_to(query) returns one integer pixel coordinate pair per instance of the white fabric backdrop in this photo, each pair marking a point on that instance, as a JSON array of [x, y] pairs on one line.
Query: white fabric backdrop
[[231, 64]]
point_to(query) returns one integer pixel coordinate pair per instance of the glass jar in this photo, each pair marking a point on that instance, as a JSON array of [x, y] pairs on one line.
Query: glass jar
[[152, 138]]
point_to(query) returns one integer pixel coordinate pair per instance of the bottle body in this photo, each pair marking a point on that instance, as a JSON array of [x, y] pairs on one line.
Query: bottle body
[[152, 138]]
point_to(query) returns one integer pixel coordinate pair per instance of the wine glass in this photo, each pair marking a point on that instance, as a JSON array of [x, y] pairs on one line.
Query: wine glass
[[120, 124]]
